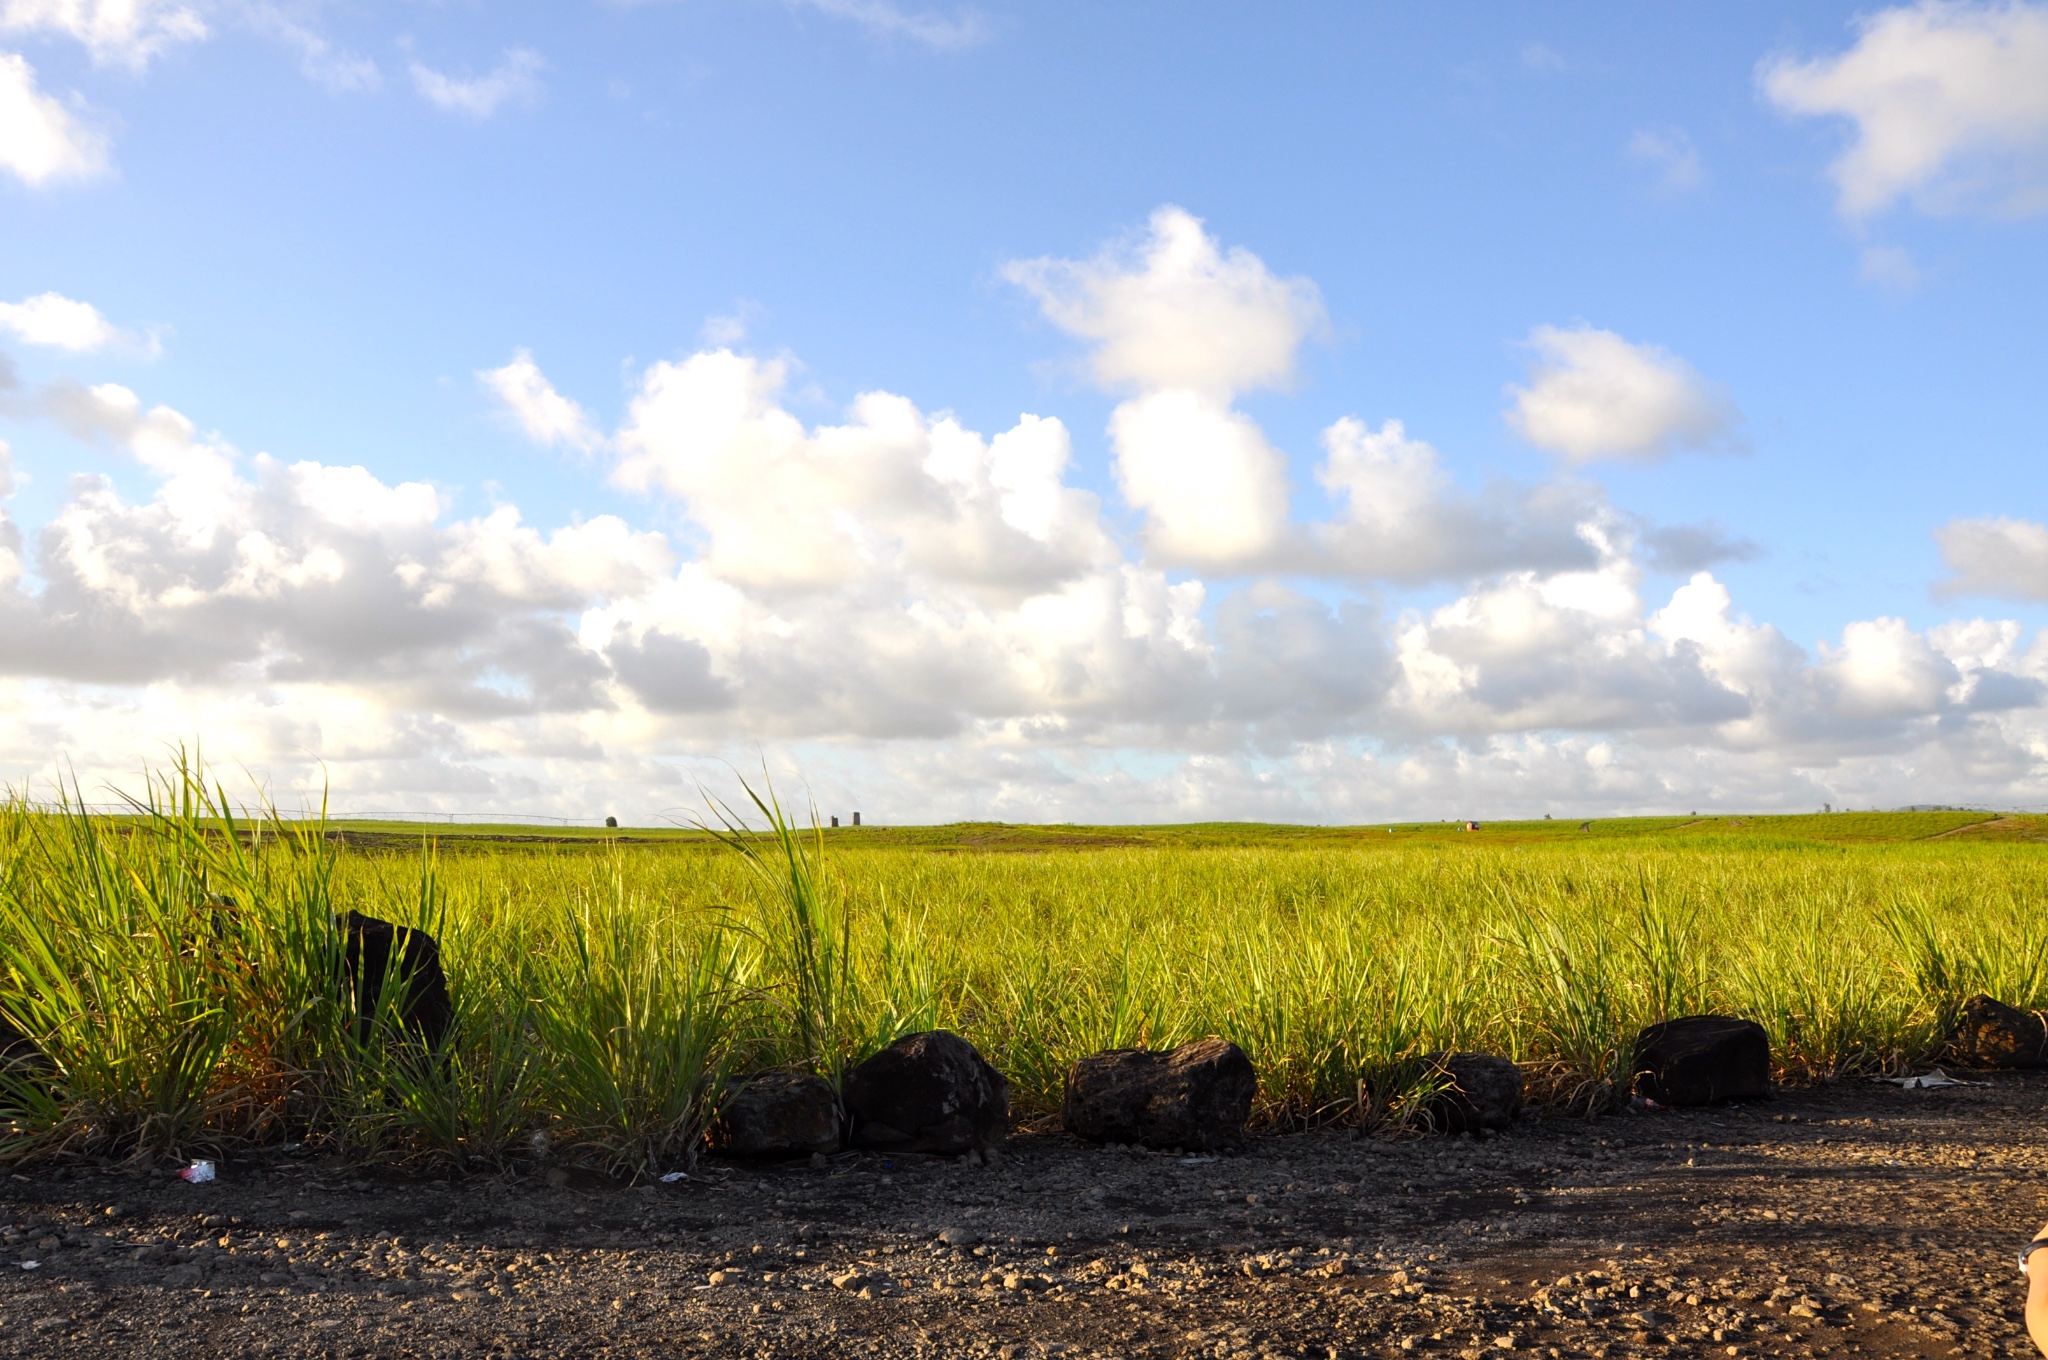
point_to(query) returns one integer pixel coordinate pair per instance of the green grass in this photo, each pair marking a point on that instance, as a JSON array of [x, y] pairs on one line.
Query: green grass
[[177, 966]]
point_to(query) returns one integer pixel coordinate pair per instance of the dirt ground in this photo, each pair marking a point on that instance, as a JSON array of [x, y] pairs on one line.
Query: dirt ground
[[1853, 1220]]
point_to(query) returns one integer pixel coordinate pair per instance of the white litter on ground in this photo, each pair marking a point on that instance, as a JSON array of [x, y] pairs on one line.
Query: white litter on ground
[[1929, 1081]]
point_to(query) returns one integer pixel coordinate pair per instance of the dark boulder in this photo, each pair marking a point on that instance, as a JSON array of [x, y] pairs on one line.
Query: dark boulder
[[778, 1114], [422, 1006], [1479, 1091], [1992, 1034], [926, 1092], [1197, 1096], [1699, 1059]]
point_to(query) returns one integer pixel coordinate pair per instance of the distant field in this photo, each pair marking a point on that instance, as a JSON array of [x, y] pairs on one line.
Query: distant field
[[1844, 828], [179, 981]]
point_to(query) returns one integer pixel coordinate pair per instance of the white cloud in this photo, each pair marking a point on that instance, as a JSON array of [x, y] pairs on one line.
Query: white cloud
[[1950, 103], [937, 626], [892, 490], [1401, 518], [964, 29], [308, 575], [1188, 325], [516, 79], [1883, 669], [42, 141], [64, 323], [547, 417], [127, 33], [1214, 492], [10, 536], [1595, 395], [1172, 310], [2000, 557], [933, 622], [1669, 152]]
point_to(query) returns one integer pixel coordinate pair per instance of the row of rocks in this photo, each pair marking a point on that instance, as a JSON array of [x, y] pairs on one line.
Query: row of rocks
[[934, 1093], [1185, 1097]]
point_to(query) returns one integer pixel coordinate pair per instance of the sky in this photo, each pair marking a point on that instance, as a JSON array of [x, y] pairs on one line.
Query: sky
[[1053, 412]]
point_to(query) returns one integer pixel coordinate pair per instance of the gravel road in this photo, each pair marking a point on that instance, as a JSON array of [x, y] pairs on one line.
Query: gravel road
[[1853, 1219]]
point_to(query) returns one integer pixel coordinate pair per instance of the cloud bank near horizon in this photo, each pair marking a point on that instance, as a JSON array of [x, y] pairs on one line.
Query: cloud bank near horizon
[[934, 622]]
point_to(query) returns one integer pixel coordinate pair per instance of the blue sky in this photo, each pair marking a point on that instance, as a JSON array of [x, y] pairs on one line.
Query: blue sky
[[1787, 326]]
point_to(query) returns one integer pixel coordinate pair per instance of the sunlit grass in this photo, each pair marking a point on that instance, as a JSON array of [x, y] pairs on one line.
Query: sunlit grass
[[178, 968]]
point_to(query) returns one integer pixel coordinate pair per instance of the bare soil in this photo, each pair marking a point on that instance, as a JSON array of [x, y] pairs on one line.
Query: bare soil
[[1855, 1219]]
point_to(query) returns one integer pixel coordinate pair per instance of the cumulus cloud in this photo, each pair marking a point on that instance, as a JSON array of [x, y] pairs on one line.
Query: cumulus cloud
[[128, 33], [10, 536], [1174, 310], [1683, 549], [933, 621], [515, 79], [41, 140], [1401, 518], [1595, 395], [2000, 557], [1185, 325], [64, 323], [939, 619], [260, 572], [1883, 669], [786, 507], [1950, 103], [868, 581], [1213, 491], [546, 416]]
